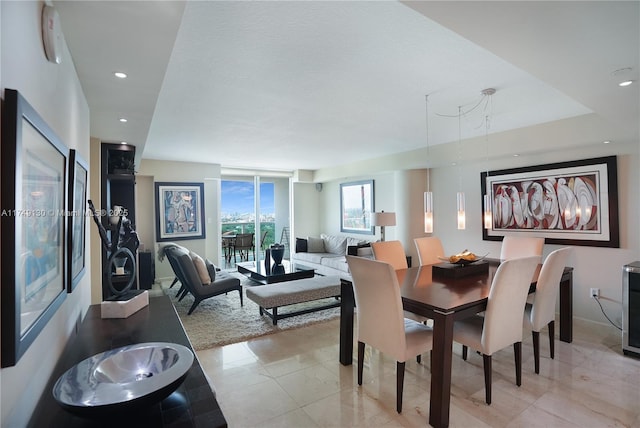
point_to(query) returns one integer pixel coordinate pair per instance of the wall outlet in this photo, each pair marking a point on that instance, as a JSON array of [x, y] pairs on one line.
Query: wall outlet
[[595, 292]]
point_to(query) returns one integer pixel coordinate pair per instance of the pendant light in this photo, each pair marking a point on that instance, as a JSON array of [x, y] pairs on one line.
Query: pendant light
[[428, 195], [487, 197], [460, 195]]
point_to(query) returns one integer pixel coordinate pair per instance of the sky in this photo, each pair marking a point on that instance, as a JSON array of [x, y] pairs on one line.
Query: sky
[[237, 197]]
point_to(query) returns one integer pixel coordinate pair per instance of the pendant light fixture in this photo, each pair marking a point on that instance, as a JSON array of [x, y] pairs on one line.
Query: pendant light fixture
[[487, 197], [428, 195], [460, 195]]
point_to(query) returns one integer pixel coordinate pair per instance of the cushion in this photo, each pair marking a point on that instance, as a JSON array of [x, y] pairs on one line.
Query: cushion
[[211, 268], [301, 245], [315, 245], [201, 268], [334, 244]]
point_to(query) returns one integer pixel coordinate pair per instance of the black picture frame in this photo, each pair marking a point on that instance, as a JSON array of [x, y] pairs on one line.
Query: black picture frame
[[179, 211], [567, 203], [357, 206], [76, 227], [34, 175]]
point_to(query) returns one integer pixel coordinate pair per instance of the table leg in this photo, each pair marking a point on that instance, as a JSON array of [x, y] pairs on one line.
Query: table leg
[[347, 305], [441, 370], [566, 307]]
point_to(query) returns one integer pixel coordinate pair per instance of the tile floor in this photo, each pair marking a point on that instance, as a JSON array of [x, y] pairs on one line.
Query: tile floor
[[294, 379]]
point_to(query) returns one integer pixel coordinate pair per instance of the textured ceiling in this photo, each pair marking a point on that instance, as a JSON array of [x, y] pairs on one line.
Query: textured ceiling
[[308, 85]]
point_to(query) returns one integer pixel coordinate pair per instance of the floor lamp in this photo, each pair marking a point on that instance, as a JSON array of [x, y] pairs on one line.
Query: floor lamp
[[383, 219]]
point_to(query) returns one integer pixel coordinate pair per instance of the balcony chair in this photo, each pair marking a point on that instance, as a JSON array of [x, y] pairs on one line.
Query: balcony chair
[[244, 244], [381, 323]]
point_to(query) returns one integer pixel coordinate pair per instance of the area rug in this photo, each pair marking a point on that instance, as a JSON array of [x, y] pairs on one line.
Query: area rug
[[220, 320]]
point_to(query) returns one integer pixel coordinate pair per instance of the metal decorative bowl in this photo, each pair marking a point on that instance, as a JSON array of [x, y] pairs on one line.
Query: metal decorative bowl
[[122, 379]]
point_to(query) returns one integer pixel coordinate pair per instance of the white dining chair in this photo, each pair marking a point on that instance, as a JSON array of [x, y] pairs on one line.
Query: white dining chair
[[381, 323], [514, 247], [391, 252], [429, 249], [501, 324], [542, 312]]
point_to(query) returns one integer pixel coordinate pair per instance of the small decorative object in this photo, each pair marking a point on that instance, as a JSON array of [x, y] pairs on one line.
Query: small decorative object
[[277, 269], [277, 253], [465, 257], [267, 260]]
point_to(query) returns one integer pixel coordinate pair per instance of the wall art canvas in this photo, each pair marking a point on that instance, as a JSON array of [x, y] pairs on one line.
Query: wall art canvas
[[568, 203], [180, 211]]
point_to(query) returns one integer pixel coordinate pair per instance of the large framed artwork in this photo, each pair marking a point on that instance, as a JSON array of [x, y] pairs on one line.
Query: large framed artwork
[[567, 203], [356, 206], [76, 221], [180, 211], [34, 173]]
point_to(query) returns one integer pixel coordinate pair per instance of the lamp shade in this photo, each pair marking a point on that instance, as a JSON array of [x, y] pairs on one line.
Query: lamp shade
[[383, 219]]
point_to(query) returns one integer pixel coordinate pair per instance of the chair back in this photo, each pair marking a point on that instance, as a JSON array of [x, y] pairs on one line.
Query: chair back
[[515, 247], [390, 252], [505, 306], [244, 240], [262, 238], [379, 306], [544, 303], [429, 249]]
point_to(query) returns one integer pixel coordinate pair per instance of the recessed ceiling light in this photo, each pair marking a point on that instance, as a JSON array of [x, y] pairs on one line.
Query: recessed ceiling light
[[120, 74], [123, 120], [606, 142], [516, 155], [123, 142], [625, 83]]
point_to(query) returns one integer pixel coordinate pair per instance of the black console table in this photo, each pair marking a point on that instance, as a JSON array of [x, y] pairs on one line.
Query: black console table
[[193, 404]]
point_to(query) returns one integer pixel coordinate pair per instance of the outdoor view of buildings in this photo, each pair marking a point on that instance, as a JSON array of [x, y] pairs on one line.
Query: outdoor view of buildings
[[238, 209]]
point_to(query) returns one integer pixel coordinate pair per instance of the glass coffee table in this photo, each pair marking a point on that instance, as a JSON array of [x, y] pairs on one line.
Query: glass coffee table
[[287, 271]]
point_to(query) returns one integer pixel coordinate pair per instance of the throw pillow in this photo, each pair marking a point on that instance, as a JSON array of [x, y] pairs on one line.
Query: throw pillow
[[301, 245], [334, 244], [211, 269], [315, 245], [201, 268]]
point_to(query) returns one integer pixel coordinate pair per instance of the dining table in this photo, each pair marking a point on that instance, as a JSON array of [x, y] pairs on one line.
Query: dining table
[[426, 291]]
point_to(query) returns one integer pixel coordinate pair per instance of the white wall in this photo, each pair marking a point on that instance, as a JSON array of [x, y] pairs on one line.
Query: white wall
[[55, 93], [594, 267], [186, 172]]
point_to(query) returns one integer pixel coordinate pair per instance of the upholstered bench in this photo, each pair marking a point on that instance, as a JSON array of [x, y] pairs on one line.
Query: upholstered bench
[[274, 296]]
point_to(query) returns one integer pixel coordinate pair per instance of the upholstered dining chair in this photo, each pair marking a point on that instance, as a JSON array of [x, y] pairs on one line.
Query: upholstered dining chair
[[542, 312], [429, 249], [501, 324], [391, 252], [381, 323], [514, 247]]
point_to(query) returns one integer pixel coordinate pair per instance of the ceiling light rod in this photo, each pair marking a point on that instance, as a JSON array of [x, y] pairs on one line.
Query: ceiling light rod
[[487, 197]]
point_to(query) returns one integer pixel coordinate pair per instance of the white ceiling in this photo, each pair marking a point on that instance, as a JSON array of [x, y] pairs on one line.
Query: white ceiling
[[308, 85]]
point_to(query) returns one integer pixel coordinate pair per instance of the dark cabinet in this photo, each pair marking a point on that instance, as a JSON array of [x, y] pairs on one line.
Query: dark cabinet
[[118, 183], [146, 269]]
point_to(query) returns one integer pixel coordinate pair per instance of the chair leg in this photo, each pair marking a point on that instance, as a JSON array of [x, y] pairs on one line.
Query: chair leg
[[174, 282], [240, 292], [399, 385], [517, 351], [195, 303], [535, 335], [486, 359], [419, 358], [464, 352], [360, 361], [551, 338]]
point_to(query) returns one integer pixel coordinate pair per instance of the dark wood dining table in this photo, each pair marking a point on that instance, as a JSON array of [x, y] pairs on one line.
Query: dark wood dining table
[[445, 299]]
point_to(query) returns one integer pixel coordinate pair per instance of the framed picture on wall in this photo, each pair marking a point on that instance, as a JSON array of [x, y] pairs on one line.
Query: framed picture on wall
[[34, 177], [567, 203], [179, 211], [356, 206], [77, 194]]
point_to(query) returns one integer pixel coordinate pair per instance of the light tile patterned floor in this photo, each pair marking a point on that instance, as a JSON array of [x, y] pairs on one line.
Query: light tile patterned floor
[[294, 379]]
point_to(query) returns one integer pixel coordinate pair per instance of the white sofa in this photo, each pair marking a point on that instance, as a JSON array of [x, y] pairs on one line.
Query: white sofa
[[327, 254]]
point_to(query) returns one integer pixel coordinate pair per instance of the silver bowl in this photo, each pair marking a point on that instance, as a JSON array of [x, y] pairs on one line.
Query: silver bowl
[[124, 378]]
